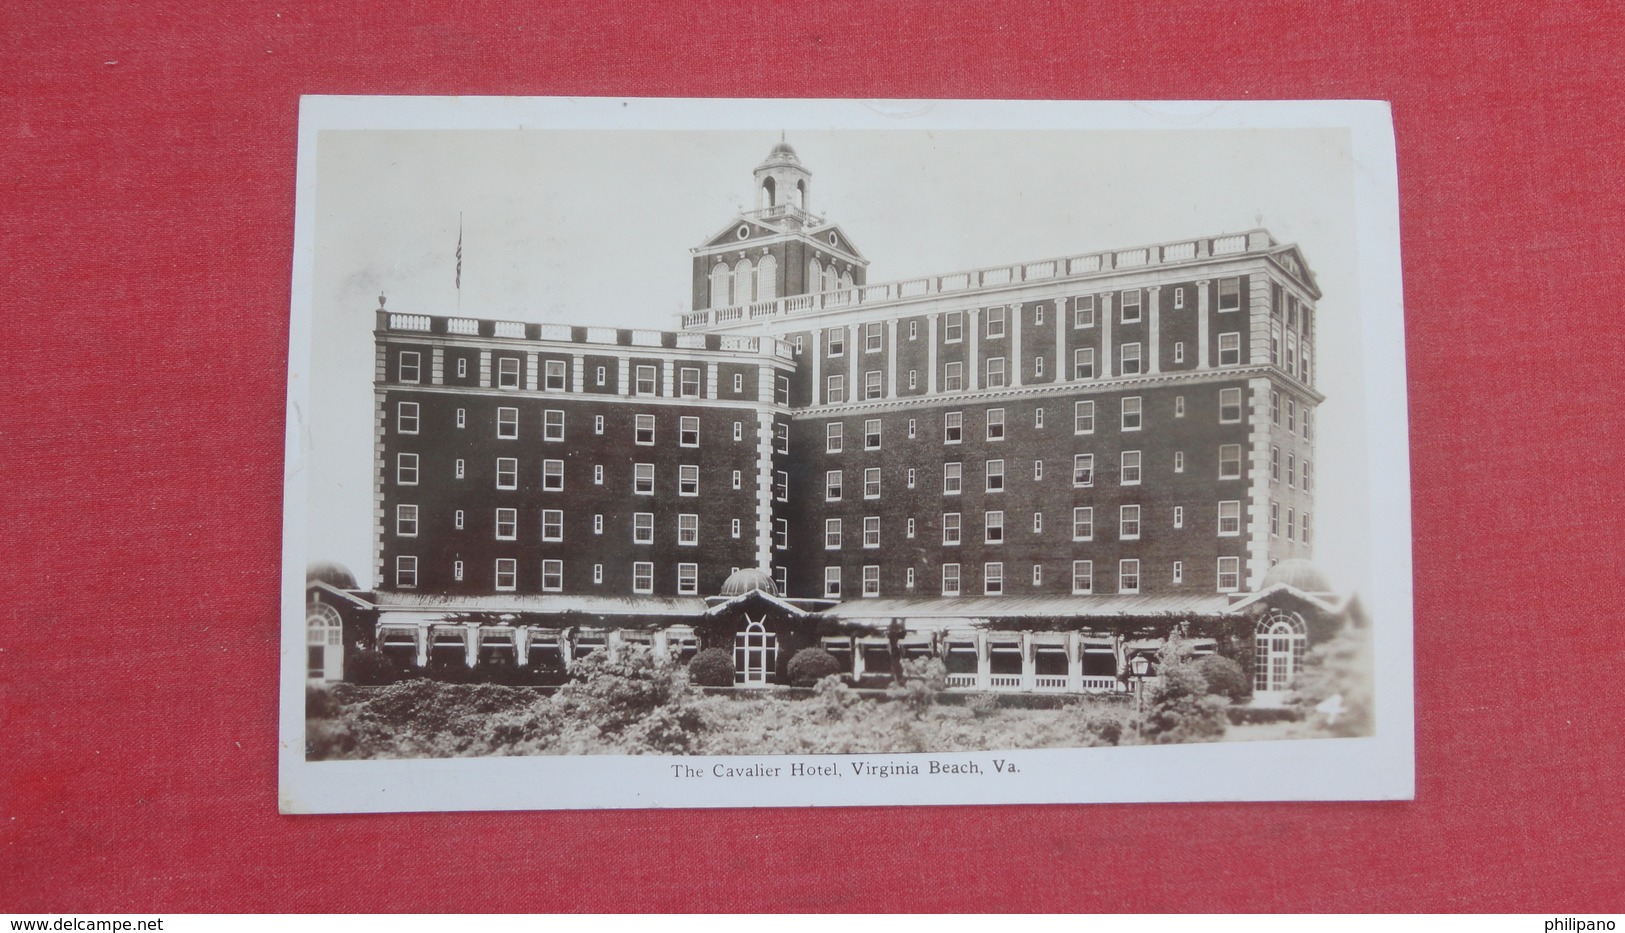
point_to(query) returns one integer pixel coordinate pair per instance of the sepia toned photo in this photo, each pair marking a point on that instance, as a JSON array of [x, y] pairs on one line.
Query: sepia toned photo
[[727, 453]]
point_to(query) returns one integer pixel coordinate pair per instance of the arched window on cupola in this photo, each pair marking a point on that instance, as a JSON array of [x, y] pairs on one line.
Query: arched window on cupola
[[815, 276], [767, 279], [769, 192], [744, 275], [801, 194], [719, 285]]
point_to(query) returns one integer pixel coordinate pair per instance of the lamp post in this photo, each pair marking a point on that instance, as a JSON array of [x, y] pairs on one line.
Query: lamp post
[[1138, 667]]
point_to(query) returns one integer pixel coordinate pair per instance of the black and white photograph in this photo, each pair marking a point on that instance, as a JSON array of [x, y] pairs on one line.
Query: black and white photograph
[[737, 453]]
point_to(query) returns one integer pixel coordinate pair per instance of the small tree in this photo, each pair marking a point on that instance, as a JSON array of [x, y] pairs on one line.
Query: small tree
[[1341, 668], [614, 689], [1181, 709], [924, 679], [712, 667], [810, 665], [1224, 678]]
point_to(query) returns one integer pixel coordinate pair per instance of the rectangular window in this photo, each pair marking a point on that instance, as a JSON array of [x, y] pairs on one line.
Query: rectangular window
[[552, 525], [598, 424], [1083, 418], [643, 430], [1179, 571], [734, 530], [1038, 366], [832, 486], [1306, 528], [953, 427], [1179, 516], [871, 384], [953, 327], [837, 341], [1229, 519], [1275, 519], [1275, 408], [553, 375], [507, 472], [552, 475], [406, 469], [1229, 406], [1230, 294], [1130, 306], [643, 527], [1083, 577], [643, 479], [781, 390], [833, 433], [1291, 471], [1083, 523], [406, 572], [552, 576], [993, 579], [1230, 349], [462, 417], [406, 521], [911, 429], [1291, 416], [781, 486], [1131, 413], [1230, 461], [1130, 359], [835, 391], [781, 533], [911, 477], [688, 579], [871, 483], [1038, 470], [688, 480], [645, 381], [1179, 461], [507, 372], [507, 573], [995, 373], [688, 385], [1038, 523], [1084, 313], [457, 565], [913, 329], [601, 375], [1083, 363], [910, 527], [781, 437], [993, 527], [832, 534], [553, 425], [1179, 351], [739, 385], [995, 424], [410, 366], [995, 323], [598, 573], [1128, 576], [953, 377], [1179, 406], [952, 478], [871, 531], [643, 577], [688, 530], [1083, 470], [913, 379], [457, 520], [871, 434], [738, 478], [995, 476], [507, 524], [832, 583], [950, 579], [950, 528], [1308, 477], [871, 337], [1179, 299], [871, 580], [406, 418], [462, 373], [1229, 574], [1275, 464], [1038, 419], [459, 471], [507, 423], [1128, 522], [688, 431], [1129, 468]]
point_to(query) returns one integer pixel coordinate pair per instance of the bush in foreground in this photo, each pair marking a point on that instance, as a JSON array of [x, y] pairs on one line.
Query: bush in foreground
[[616, 689], [810, 665], [1182, 710], [370, 667], [1224, 678], [712, 667]]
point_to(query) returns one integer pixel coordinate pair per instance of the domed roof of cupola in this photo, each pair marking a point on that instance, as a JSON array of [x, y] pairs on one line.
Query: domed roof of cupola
[[781, 153], [1299, 574], [747, 579]]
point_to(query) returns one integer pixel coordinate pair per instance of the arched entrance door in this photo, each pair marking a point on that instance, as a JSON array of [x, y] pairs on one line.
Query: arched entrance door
[[756, 655], [1278, 645], [324, 643]]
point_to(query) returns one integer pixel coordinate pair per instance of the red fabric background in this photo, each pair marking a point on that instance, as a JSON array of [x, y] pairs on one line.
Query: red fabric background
[[148, 177]]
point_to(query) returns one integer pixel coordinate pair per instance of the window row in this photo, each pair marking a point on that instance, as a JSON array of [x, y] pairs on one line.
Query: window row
[[1294, 424], [1129, 521], [1293, 466], [505, 575], [645, 378], [1297, 525], [1228, 577], [408, 420]]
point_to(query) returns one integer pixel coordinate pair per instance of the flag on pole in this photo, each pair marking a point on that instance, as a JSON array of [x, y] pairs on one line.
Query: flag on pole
[[459, 252]]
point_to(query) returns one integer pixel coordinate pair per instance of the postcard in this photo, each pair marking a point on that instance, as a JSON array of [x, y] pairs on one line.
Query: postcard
[[722, 453]]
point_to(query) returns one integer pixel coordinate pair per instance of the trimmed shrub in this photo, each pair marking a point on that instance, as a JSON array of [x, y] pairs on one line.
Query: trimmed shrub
[[810, 665], [1250, 715], [319, 703], [614, 689], [372, 668], [1181, 709], [1224, 678], [712, 667]]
